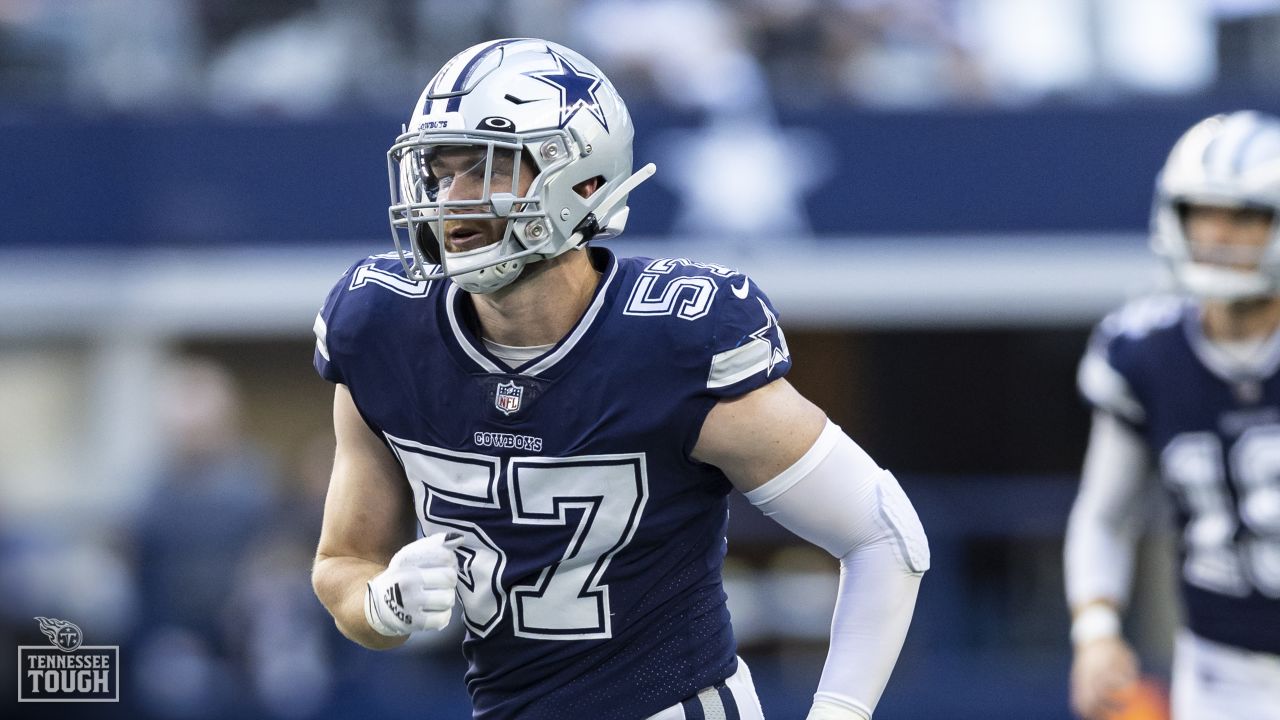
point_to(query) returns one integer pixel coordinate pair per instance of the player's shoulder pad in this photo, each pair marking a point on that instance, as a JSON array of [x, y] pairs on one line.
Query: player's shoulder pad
[[677, 287], [385, 273], [749, 347], [732, 323], [1140, 318], [1115, 354], [352, 301]]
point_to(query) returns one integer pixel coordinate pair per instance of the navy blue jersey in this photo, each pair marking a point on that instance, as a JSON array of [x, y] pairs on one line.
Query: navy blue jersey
[[1213, 426], [590, 573]]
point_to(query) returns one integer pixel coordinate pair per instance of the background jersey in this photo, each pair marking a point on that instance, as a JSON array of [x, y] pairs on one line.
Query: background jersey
[[590, 570], [1214, 428]]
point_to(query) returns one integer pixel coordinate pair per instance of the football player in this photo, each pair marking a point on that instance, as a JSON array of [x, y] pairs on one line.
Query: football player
[[563, 425], [1186, 389]]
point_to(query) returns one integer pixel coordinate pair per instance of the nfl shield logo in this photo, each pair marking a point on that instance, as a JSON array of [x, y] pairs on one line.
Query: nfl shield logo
[[507, 398]]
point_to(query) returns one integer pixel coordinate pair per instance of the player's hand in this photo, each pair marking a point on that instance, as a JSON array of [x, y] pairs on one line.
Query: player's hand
[[1100, 670], [416, 591]]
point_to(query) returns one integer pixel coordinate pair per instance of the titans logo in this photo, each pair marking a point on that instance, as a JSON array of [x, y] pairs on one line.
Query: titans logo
[[577, 89]]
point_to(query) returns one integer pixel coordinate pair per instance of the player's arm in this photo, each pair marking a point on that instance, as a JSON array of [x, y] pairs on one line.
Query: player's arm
[[367, 545], [1102, 535], [780, 450]]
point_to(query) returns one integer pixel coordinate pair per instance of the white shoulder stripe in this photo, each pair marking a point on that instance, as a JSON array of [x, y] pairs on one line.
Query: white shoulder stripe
[[1143, 316], [1105, 387], [322, 334], [740, 363]]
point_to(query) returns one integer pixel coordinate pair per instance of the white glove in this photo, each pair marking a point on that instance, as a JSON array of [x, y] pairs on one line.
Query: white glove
[[827, 710], [416, 591]]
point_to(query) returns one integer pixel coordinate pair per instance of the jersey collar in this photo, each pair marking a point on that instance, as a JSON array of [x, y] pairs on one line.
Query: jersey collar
[[460, 335], [1224, 365]]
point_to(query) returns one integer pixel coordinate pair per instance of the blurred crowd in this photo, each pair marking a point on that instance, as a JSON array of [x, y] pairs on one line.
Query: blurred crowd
[[302, 57]]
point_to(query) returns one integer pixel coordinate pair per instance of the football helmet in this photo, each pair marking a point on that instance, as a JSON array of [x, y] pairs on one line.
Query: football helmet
[[1230, 160], [509, 108]]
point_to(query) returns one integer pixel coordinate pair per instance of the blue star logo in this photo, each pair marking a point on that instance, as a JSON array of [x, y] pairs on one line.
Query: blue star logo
[[577, 89]]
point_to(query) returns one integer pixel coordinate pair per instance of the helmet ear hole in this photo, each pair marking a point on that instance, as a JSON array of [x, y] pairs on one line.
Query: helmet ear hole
[[590, 186]]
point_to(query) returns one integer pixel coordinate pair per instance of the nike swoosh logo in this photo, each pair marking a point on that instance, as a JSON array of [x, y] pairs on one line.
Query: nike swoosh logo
[[512, 98], [741, 292]]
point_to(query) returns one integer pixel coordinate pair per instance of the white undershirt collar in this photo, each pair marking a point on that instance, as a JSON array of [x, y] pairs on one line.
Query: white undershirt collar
[[514, 356]]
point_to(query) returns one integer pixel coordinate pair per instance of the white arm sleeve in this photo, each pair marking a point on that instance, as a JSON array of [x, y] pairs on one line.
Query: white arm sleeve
[[1107, 516], [837, 498]]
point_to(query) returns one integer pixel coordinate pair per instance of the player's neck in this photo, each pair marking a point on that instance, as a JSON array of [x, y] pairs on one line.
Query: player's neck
[[1242, 319], [542, 306]]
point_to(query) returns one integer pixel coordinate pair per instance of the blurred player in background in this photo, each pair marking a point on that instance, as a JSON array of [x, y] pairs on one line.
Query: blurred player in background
[[1187, 389], [563, 425]]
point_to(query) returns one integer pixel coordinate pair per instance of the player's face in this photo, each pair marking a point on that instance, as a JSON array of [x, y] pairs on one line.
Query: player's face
[[459, 173], [1231, 237]]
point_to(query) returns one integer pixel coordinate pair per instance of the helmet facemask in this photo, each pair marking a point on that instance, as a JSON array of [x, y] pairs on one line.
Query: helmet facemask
[[484, 173], [1230, 270]]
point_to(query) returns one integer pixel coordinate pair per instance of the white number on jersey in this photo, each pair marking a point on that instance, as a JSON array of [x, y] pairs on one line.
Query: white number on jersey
[[567, 601], [366, 274], [688, 297], [1215, 561]]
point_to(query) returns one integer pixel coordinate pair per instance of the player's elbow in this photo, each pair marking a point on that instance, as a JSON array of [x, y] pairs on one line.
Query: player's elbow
[[321, 579], [839, 499], [892, 522]]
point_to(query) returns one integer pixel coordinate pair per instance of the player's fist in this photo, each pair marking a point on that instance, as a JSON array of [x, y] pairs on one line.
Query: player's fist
[[416, 591], [1101, 669]]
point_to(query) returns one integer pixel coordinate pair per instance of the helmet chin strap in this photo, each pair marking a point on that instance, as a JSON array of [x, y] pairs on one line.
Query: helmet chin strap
[[1220, 283], [620, 192], [475, 271]]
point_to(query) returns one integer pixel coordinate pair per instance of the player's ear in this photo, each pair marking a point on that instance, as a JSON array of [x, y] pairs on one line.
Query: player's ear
[[587, 188]]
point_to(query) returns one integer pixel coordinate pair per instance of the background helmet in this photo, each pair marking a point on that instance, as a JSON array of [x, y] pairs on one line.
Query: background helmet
[[1229, 160], [509, 98]]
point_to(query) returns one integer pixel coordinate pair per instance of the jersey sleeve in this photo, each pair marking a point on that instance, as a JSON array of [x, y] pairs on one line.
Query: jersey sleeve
[[748, 347], [1106, 374], [326, 359]]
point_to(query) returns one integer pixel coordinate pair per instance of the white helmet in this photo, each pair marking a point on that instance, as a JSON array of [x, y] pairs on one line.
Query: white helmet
[[1229, 160], [508, 99]]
